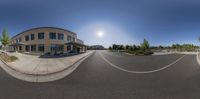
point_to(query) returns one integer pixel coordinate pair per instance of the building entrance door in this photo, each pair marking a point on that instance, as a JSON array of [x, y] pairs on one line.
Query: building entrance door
[[27, 48]]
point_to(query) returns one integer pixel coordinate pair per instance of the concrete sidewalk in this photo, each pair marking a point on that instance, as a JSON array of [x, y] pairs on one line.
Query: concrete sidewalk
[[30, 64], [198, 58], [165, 53], [34, 69]]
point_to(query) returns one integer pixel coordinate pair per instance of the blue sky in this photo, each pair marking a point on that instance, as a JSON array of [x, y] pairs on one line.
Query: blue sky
[[161, 22]]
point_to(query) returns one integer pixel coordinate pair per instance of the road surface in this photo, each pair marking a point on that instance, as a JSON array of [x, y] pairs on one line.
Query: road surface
[[96, 79]]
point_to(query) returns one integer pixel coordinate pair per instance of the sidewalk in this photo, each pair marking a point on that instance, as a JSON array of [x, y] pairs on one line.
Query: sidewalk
[[198, 58], [35, 69], [34, 65], [165, 53]]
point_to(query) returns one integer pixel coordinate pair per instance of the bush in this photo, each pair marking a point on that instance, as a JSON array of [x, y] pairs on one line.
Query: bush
[[48, 53], [148, 52], [13, 58], [140, 52]]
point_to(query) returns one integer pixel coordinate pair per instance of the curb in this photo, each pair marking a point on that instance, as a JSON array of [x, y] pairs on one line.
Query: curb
[[42, 77]]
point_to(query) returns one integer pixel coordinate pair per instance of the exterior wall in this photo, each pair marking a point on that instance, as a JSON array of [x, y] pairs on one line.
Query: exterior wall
[[80, 41], [46, 41]]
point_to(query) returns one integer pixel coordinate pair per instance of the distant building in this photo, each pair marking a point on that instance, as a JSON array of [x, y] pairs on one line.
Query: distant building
[[45, 40], [96, 47]]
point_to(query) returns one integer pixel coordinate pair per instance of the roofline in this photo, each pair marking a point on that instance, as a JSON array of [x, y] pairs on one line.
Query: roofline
[[43, 28]]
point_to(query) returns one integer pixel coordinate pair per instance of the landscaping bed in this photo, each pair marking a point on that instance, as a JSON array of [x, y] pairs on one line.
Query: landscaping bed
[[139, 52], [7, 58]]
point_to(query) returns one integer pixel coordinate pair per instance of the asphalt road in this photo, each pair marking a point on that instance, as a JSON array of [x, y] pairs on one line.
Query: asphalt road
[[96, 79]]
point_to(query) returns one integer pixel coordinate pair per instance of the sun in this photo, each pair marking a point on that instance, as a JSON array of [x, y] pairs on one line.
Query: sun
[[100, 34]]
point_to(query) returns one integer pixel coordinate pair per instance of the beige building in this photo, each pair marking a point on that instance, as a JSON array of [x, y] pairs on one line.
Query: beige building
[[47, 40]]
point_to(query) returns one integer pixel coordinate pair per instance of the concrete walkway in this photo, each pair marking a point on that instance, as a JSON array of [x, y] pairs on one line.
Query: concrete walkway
[[198, 58], [30, 64], [34, 69], [165, 53]]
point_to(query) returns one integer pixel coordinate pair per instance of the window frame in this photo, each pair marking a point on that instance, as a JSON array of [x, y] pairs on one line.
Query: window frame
[[52, 35], [60, 36], [41, 45], [32, 36], [69, 38], [41, 37], [27, 38]]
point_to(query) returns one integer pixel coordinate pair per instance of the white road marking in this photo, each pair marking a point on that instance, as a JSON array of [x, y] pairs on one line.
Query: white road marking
[[140, 72]]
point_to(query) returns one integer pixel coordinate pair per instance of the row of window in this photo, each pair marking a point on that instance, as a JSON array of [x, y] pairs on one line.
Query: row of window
[[52, 35], [41, 47]]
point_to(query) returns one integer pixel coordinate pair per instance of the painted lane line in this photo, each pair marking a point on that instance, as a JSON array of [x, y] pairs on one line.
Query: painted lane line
[[140, 72]]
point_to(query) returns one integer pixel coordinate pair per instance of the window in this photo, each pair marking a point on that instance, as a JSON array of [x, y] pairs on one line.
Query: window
[[20, 48], [33, 47], [55, 47], [41, 47], [40, 35], [69, 38], [52, 35], [27, 38], [60, 36], [32, 36], [27, 48], [60, 47], [68, 47], [20, 39], [73, 39], [16, 40]]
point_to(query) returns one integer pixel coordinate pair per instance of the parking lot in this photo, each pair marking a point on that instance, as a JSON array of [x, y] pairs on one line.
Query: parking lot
[[98, 78]]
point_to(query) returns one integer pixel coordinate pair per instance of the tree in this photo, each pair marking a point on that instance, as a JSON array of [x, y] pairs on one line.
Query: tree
[[127, 47], [110, 48], [145, 45], [199, 41], [134, 47], [121, 47], [5, 38], [199, 38], [114, 47]]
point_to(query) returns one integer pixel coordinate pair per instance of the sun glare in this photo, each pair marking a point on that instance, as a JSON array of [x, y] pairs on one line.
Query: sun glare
[[100, 34]]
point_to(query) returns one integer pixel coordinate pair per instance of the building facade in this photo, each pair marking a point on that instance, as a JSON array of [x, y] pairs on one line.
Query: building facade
[[47, 40]]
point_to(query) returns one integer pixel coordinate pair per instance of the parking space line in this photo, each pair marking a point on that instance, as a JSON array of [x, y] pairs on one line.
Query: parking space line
[[140, 72]]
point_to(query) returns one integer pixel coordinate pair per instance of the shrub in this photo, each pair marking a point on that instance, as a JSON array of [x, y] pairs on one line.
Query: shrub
[[139, 52], [13, 58], [48, 53], [148, 52]]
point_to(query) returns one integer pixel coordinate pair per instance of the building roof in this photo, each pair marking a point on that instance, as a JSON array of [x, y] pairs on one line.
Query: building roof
[[43, 28]]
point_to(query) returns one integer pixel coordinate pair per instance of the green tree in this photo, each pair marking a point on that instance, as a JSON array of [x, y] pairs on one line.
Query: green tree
[[121, 47], [127, 47], [110, 48], [134, 47], [145, 45], [199, 38], [114, 47], [5, 39]]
